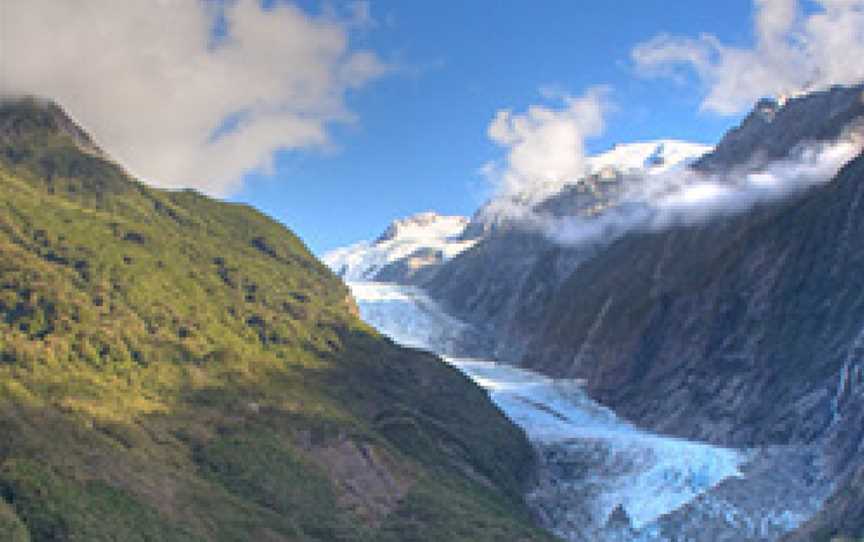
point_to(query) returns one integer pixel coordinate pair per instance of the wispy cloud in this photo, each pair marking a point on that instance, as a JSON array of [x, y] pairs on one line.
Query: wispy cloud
[[685, 197], [792, 52], [172, 104]]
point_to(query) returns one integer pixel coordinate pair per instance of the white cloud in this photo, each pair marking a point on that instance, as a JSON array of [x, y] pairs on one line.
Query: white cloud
[[545, 146], [146, 78], [684, 197], [793, 52]]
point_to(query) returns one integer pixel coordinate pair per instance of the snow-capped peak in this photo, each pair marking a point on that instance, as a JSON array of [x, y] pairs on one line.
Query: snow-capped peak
[[428, 237], [640, 161], [647, 156], [427, 225]]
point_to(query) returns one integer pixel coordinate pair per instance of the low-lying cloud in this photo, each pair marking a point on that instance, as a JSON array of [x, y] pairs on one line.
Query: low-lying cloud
[[177, 103], [685, 197], [545, 146], [793, 52]]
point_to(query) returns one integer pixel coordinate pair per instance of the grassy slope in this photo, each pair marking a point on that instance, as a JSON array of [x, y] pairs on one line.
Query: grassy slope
[[176, 368]]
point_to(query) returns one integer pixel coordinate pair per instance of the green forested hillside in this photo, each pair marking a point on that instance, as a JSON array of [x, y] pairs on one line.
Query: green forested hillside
[[177, 368]]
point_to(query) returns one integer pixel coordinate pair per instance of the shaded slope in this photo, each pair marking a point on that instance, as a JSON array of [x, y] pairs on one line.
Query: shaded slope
[[775, 129], [721, 331], [842, 516], [176, 368]]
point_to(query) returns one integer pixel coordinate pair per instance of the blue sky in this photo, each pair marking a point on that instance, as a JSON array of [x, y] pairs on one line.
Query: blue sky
[[351, 113], [420, 138]]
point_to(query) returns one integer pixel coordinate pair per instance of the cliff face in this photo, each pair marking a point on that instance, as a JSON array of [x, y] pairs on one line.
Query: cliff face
[[774, 130], [841, 517], [178, 368], [732, 332]]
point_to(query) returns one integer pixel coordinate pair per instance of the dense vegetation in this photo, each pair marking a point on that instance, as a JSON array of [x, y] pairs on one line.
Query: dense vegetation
[[177, 368]]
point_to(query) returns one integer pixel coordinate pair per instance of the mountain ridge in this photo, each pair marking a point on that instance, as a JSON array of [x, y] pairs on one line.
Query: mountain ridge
[[606, 173], [42, 117], [177, 368]]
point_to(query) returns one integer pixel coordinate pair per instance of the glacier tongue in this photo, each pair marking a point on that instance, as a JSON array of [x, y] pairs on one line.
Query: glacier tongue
[[600, 478], [646, 475]]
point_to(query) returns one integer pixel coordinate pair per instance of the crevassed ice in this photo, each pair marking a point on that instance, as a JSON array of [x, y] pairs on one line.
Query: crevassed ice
[[407, 315], [647, 475]]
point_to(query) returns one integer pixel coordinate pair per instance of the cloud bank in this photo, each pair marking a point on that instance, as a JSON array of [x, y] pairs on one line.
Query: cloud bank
[[684, 197], [545, 147], [176, 103], [793, 52]]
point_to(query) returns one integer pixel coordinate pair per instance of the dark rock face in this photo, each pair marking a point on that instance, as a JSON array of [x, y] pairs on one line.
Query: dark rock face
[[734, 332], [416, 268], [505, 285], [772, 131], [843, 515]]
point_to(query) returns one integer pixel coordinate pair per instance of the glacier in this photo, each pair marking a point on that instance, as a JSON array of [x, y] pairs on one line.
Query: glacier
[[652, 474], [601, 478]]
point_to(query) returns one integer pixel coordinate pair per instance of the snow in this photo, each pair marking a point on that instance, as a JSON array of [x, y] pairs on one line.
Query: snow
[[424, 231], [649, 156], [615, 194], [431, 232]]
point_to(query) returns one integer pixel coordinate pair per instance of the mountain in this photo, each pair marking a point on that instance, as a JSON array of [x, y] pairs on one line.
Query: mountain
[[408, 249], [740, 327], [608, 176], [178, 368], [774, 129], [647, 156]]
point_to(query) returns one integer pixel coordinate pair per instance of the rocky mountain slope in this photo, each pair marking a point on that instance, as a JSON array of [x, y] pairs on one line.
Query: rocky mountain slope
[[177, 368], [742, 329]]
